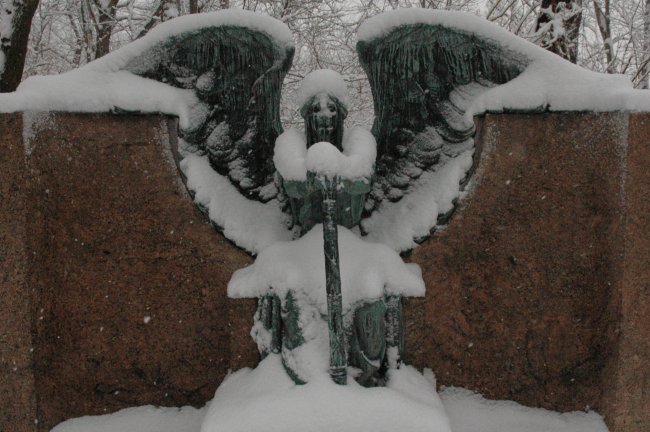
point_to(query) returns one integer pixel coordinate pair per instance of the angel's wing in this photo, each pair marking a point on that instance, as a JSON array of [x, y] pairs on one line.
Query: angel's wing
[[423, 77], [237, 73]]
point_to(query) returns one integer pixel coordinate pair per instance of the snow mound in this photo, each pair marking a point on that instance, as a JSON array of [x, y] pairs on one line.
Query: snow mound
[[140, 419], [539, 87], [292, 159], [313, 404], [368, 271], [325, 159], [266, 399], [322, 81], [470, 412]]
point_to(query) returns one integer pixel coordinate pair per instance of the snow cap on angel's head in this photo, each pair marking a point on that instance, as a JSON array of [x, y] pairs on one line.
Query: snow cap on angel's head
[[323, 81]]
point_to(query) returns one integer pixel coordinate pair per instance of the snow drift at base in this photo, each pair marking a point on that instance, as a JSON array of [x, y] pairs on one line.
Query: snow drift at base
[[274, 403], [265, 398]]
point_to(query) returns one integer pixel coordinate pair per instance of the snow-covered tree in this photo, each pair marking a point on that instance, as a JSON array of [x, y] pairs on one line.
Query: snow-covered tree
[[518, 16], [614, 38], [642, 75], [558, 27], [15, 22], [102, 14]]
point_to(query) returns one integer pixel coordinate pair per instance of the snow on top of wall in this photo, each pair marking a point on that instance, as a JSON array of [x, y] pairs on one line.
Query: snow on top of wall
[[561, 86], [103, 84], [368, 271], [84, 91], [292, 159], [322, 81], [549, 82]]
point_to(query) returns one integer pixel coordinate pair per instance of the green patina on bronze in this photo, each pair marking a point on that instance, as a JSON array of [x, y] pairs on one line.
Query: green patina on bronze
[[395, 328], [332, 202], [338, 358], [414, 67], [412, 70], [291, 323], [237, 73], [367, 337], [305, 200], [269, 315]]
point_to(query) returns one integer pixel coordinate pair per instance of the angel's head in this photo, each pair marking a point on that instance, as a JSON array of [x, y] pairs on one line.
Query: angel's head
[[323, 105], [324, 115]]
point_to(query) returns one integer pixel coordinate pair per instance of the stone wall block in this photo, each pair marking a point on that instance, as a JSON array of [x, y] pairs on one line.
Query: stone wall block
[[17, 392], [626, 382], [131, 305], [519, 283]]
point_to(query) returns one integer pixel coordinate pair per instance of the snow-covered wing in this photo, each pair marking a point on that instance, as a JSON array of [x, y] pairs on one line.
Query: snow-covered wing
[[424, 76], [236, 73]]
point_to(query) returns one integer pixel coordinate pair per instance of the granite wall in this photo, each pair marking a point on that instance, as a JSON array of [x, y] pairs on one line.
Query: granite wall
[[114, 279], [113, 283]]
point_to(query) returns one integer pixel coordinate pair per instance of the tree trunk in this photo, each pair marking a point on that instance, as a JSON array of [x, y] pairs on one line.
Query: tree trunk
[[13, 41], [87, 26], [603, 21], [558, 25], [194, 6], [105, 23], [645, 65]]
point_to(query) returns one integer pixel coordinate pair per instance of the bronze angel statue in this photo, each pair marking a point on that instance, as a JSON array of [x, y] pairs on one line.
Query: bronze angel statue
[[264, 187]]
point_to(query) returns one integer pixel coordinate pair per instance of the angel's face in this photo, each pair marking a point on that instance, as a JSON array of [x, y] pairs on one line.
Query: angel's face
[[323, 113]]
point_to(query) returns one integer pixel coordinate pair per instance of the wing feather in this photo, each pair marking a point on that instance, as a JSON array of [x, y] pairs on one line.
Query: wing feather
[[237, 74], [423, 78]]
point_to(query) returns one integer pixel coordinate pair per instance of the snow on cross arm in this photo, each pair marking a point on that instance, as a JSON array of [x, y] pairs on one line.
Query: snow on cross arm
[[368, 271]]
